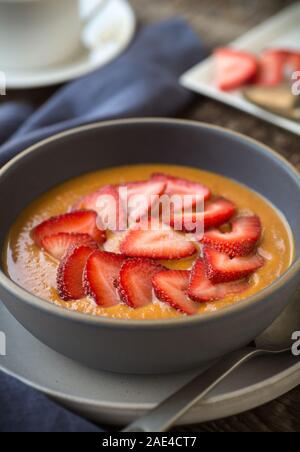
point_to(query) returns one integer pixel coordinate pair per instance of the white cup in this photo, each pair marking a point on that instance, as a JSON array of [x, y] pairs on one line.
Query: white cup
[[39, 33]]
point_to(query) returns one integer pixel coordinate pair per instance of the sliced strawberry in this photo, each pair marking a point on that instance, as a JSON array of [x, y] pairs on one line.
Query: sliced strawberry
[[203, 290], [177, 186], [221, 268], [135, 282], [271, 68], [111, 209], [216, 213], [140, 196], [80, 222], [101, 277], [58, 245], [70, 273], [234, 68], [293, 61], [170, 286], [245, 233], [88, 202], [108, 205], [157, 244], [276, 64]]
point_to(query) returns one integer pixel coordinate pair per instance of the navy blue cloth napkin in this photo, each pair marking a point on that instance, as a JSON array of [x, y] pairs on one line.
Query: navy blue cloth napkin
[[142, 82], [25, 410]]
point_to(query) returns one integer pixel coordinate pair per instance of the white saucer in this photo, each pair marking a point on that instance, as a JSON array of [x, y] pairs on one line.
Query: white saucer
[[118, 399], [108, 34]]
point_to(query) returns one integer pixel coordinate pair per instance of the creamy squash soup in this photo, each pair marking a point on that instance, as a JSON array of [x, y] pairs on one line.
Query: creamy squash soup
[[93, 244]]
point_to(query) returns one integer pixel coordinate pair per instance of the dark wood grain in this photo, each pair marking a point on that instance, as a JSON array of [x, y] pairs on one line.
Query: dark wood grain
[[218, 22]]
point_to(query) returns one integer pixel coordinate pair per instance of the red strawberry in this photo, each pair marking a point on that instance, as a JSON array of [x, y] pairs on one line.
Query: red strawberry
[[135, 282], [111, 209], [293, 61], [101, 277], [171, 286], [245, 233], [234, 68], [70, 273], [177, 186], [221, 268], [215, 214], [156, 244], [88, 202], [80, 222], [271, 68], [58, 245], [108, 205], [140, 196], [203, 290]]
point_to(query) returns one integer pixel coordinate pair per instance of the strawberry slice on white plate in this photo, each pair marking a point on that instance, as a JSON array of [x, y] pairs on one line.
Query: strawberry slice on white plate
[[271, 68], [135, 281], [240, 241], [170, 286], [221, 268], [234, 68], [201, 289]]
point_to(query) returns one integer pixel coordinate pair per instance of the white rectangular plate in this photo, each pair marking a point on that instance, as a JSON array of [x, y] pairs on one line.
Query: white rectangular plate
[[282, 30]]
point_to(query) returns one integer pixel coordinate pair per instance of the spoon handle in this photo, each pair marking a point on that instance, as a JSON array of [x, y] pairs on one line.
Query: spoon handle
[[164, 416]]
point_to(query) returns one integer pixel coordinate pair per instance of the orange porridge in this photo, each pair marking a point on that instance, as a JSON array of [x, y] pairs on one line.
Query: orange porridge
[[247, 244]]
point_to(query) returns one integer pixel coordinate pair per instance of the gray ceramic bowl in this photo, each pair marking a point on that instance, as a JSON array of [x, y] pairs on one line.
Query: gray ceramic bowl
[[149, 346]]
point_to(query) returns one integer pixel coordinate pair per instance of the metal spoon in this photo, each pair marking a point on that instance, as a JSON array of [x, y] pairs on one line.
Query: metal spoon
[[274, 341]]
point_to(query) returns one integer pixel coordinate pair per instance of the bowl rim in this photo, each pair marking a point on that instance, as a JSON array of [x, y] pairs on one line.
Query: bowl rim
[[185, 321]]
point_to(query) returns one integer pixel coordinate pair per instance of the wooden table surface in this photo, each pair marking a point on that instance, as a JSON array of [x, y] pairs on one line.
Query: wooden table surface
[[218, 22]]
